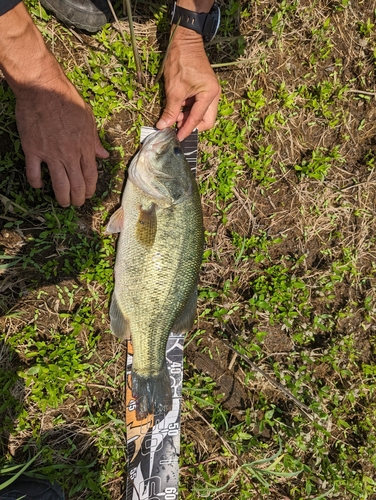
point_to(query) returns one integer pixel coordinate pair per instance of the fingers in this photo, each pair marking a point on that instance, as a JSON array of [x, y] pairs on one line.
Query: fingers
[[89, 165], [33, 171], [90, 177], [100, 151], [72, 184], [201, 116], [208, 120], [59, 178], [171, 112], [191, 101], [67, 141], [60, 184], [74, 172], [192, 120]]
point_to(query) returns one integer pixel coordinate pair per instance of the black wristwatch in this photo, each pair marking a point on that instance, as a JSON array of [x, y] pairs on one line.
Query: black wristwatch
[[205, 24]]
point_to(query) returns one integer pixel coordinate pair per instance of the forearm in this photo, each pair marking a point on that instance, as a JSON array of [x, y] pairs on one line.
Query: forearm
[[24, 58]]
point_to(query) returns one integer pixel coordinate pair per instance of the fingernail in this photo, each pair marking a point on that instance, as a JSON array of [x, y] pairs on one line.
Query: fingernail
[[161, 124]]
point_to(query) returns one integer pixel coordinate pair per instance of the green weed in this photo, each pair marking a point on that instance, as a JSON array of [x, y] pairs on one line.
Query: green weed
[[282, 296], [299, 100], [319, 163]]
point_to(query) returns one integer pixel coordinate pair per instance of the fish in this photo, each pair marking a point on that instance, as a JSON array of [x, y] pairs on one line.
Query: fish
[[158, 259]]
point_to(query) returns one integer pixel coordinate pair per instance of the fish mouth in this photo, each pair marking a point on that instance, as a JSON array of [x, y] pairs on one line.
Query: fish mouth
[[142, 172], [157, 144], [159, 141]]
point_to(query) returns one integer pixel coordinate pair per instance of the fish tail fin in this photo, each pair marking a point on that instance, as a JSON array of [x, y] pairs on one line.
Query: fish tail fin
[[152, 393]]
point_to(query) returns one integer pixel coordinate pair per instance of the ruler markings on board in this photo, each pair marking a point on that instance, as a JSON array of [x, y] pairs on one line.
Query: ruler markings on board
[[153, 444]]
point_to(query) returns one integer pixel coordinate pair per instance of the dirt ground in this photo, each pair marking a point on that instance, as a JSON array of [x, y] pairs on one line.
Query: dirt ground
[[315, 222]]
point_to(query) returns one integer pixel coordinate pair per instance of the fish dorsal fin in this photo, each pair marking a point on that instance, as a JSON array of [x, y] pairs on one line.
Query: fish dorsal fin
[[147, 225], [119, 323], [116, 222], [187, 317]]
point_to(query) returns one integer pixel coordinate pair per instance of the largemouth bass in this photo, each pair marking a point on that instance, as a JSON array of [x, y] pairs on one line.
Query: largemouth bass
[[159, 253]]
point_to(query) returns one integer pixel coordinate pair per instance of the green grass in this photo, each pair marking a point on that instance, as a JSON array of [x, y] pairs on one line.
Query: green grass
[[287, 179]]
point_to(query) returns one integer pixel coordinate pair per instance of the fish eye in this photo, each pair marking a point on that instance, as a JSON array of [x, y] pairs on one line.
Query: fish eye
[[178, 151]]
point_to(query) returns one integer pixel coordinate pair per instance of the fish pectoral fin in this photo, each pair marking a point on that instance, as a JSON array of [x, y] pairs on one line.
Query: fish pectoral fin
[[147, 225], [116, 222], [185, 320], [118, 322]]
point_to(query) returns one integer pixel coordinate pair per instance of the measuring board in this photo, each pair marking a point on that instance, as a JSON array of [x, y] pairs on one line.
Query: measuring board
[[153, 444]]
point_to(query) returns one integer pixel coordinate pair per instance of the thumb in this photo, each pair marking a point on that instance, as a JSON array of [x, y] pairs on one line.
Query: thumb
[[170, 114], [33, 171]]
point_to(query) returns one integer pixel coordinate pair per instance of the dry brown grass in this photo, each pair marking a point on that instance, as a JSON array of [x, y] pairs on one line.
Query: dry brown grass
[[325, 230]]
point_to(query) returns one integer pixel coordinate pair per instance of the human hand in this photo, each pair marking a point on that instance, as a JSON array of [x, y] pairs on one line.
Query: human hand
[[192, 89], [58, 128], [54, 123]]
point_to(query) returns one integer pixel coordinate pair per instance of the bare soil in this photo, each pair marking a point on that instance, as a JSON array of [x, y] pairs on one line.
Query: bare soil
[[316, 219]]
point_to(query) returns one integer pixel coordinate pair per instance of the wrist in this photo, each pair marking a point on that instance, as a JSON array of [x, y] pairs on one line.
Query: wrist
[[185, 36], [187, 49], [196, 5], [24, 58], [200, 16]]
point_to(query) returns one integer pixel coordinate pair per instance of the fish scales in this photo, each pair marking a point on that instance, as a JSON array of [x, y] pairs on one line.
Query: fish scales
[[159, 254], [158, 280]]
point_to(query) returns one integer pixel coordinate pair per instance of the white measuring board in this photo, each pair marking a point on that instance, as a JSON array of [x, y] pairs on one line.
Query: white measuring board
[[153, 444]]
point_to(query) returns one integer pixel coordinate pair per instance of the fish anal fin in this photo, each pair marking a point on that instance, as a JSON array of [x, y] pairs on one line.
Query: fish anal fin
[[147, 225], [185, 320], [118, 322], [116, 222]]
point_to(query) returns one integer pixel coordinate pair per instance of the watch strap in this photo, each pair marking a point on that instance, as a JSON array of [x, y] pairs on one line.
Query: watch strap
[[204, 23]]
